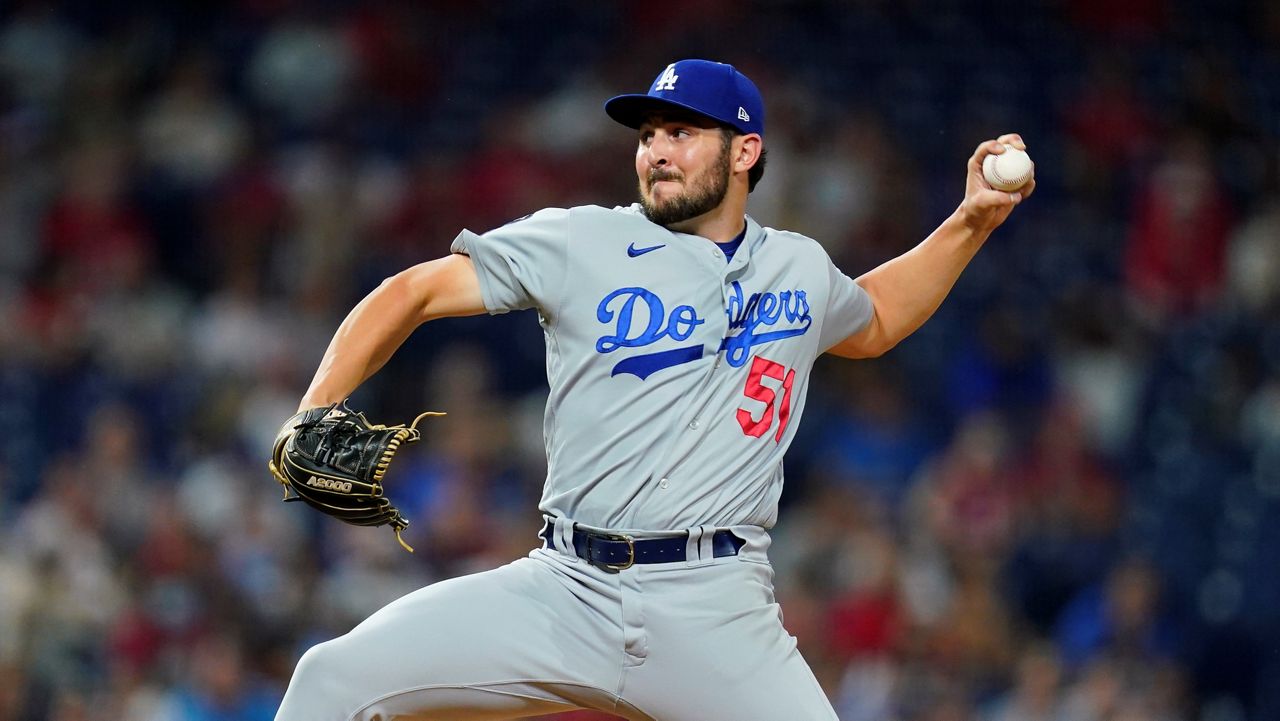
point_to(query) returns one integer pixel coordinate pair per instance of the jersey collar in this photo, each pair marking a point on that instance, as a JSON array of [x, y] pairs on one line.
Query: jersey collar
[[750, 240]]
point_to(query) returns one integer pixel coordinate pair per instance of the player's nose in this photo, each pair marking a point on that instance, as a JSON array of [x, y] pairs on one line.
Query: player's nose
[[656, 153], [655, 159]]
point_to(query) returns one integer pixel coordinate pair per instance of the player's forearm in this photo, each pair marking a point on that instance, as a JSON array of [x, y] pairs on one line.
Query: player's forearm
[[907, 290], [365, 340], [379, 324]]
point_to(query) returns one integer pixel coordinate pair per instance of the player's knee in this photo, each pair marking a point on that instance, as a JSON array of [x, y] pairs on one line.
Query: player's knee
[[323, 660], [323, 679]]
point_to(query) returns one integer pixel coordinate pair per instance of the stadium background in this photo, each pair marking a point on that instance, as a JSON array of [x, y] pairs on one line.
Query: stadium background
[[1059, 501]]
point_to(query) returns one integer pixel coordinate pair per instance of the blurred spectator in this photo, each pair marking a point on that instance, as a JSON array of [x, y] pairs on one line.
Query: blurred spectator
[[151, 307], [1178, 234], [1253, 262], [507, 179], [1037, 691], [217, 687], [964, 495], [1121, 618], [973, 642], [873, 439], [300, 70], [1001, 365], [1099, 368], [867, 619], [1107, 689], [60, 536], [844, 185], [191, 134], [26, 185], [92, 232], [38, 53], [1111, 128], [238, 331]]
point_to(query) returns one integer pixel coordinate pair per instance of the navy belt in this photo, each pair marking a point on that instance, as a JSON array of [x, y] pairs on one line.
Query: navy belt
[[616, 551]]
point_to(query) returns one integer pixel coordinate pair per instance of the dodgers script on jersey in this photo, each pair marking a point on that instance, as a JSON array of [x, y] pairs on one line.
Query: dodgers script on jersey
[[676, 379]]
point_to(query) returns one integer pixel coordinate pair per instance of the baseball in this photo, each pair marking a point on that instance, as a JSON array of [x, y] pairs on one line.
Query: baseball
[[1009, 170]]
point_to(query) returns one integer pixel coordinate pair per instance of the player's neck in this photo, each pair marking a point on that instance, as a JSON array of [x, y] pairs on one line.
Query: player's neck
[[721, 225]]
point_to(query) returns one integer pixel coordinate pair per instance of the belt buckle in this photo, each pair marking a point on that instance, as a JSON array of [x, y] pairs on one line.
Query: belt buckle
[[631, 551]]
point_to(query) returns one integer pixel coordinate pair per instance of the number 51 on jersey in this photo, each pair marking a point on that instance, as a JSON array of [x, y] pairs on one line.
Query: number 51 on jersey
[[757, 389]]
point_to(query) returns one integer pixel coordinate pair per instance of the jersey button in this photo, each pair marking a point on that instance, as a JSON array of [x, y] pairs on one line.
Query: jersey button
[[693, 425], [664, 483]]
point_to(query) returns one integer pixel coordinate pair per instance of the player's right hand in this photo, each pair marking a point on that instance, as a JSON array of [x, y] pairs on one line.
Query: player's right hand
[[985, 208]]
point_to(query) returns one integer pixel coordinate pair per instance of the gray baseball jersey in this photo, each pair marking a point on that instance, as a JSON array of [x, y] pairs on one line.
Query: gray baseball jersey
[[677, 380]]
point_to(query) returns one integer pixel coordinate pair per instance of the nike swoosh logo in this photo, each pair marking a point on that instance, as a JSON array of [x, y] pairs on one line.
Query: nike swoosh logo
[[635, 252]]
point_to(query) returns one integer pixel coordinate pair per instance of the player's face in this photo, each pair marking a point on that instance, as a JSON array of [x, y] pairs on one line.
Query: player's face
[[683, 167]]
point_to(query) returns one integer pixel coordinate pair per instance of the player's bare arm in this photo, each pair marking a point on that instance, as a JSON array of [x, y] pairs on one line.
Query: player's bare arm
[[384, 319], [906, 291]]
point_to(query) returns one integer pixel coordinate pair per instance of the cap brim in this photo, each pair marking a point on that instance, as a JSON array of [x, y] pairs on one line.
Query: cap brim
[[633, 110]]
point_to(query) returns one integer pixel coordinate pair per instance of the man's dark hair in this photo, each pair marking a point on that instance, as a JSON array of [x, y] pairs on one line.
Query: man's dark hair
[[757, 171]]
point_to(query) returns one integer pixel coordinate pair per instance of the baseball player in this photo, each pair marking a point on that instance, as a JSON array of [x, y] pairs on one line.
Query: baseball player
[[680, 335]]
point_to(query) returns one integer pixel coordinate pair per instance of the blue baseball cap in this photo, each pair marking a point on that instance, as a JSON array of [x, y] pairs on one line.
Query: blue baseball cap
[[716, 90]]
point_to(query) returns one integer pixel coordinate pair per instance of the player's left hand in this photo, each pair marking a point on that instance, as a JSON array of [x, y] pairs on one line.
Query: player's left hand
[[985, 208], [334, 459]]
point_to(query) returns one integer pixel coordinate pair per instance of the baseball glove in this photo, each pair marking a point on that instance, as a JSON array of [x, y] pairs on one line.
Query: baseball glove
[[334, 459]]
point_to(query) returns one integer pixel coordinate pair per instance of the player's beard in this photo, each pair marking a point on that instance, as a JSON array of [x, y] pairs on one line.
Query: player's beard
[[704, 196]]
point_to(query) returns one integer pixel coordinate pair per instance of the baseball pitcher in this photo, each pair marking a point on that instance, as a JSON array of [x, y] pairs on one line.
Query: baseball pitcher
[[680, 335]]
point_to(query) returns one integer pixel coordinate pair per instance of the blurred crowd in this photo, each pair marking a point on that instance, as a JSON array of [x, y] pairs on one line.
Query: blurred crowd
[[1056, 502]]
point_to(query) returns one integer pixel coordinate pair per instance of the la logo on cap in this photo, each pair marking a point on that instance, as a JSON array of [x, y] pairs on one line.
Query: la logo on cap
[[667, 81]]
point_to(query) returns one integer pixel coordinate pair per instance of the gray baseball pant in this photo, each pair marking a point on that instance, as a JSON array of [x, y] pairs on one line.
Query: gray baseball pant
[[699, 640]]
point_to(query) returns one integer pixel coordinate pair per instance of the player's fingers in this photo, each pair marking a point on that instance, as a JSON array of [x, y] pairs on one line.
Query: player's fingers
[[1012, 139], [1002, 198], [1028, 189], [985, 148], [996, 199], [988, 147]]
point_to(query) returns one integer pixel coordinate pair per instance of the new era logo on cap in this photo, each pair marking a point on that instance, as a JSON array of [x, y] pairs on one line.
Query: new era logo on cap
[[716, 90]]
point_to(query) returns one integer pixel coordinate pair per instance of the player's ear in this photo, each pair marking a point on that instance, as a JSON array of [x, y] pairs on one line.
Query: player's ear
[[747, 150]]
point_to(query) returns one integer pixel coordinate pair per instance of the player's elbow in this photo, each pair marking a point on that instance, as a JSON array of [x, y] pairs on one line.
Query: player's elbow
[[876, 350], [863, 346], [861, 351], [870, 342], [398, 291]]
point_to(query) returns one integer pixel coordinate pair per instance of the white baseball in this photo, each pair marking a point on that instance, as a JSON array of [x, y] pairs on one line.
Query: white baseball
[[1009, 170]]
